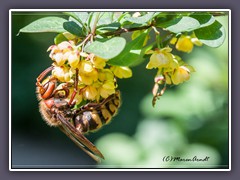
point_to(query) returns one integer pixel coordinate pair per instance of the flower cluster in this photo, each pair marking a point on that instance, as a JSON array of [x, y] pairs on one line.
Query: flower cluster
[[96, 79], [170, 66]]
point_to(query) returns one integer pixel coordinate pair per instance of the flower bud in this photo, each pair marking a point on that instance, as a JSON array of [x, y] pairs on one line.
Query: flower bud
[[184, 44]]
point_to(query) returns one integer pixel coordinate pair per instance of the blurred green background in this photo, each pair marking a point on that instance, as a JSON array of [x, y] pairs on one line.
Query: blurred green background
[[189, 120]]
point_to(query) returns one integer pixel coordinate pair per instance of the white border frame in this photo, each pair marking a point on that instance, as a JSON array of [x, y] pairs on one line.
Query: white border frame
[[109, 10]]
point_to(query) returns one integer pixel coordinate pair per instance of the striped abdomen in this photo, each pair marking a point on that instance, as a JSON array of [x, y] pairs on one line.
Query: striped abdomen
[[94, 116]]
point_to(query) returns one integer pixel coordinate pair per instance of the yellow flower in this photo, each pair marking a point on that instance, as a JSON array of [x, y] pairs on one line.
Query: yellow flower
[[64, 51], [62, 73], [107, 83], [184, 44], [160, 58], [107, 89], [87, 73], [172, 65], [89, 78], [73, 58], [180, 75], [105, 75], [59, 58], [98, 62], [90, 93], [121, 71], [86, 67]]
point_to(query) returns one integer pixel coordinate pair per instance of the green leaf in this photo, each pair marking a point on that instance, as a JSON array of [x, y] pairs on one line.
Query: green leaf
[[106, 18], [131, 53], [107, 49], [117, 16], [81, 17], [181, 24], [142, 54], [213, 35], [102, 18], [47, 24], [108, 27], [142, 19], [73, 28], [60, 38], [204, 19], [122, 18]]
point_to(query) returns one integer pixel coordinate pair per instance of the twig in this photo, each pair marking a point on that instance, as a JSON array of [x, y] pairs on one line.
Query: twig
[[124, 30]]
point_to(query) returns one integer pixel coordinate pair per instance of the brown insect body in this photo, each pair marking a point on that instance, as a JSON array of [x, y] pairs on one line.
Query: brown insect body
[[87, 118], [57, 112], [93, 116]]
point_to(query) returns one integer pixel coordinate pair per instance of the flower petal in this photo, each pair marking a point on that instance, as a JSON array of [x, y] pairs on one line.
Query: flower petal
[[180, 75], [122, 71]]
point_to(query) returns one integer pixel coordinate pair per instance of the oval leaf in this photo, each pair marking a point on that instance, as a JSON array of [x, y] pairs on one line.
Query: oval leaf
[[107, 49], [73, 28], [182, 24], [131, 53], [47, 24], [212, 35]]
